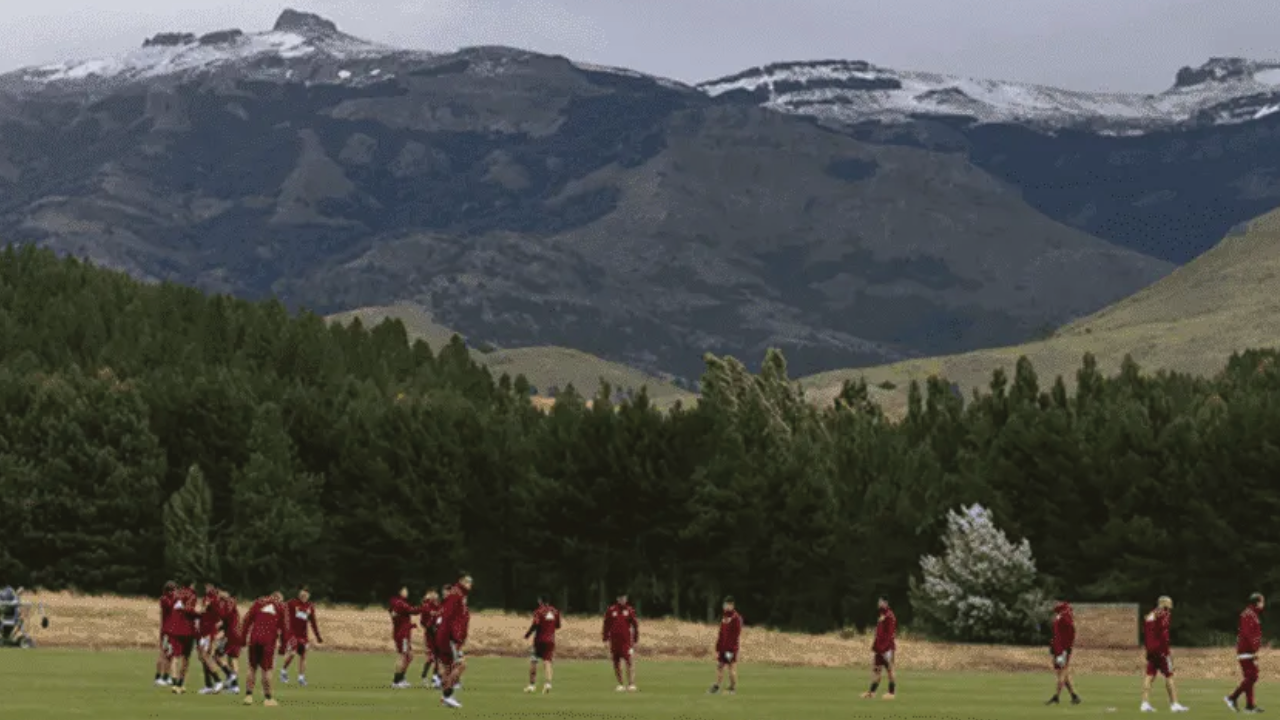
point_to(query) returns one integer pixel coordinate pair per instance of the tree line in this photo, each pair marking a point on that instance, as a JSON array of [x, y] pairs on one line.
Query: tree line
[[147, 430]]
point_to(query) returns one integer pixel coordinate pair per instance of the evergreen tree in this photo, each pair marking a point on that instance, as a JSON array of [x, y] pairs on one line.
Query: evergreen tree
[[189, 551]]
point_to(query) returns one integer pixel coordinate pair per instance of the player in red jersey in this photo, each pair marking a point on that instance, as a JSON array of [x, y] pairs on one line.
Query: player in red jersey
[[232, 641], [428, 613], [1064, 640], [402, 635], [302, 618], [1155, 634], [182, 629], [265, 626], [621, 632], [727, 646], [163, 661], [1248, 643], [451, 636], [546, 621], [210, 617], [882, 649]]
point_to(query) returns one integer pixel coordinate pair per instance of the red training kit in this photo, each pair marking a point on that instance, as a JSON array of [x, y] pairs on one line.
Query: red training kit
[[546, 621], [181, 622], [266, 624], [1064, 630], [1155, 632], [886, 632]]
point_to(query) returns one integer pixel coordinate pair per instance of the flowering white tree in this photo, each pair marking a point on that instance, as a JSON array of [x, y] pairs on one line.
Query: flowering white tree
[[984, 588]]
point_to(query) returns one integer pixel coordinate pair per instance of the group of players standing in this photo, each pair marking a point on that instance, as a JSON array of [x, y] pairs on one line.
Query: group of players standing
[[213, 628], [1155, 640]]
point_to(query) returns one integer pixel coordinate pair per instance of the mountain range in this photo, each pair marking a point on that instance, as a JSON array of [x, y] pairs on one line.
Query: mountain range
[[849, 214]]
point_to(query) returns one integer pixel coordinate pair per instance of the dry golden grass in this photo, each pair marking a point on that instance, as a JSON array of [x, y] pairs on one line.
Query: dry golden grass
[[1190, 321], [103, 622], [1106, 626]]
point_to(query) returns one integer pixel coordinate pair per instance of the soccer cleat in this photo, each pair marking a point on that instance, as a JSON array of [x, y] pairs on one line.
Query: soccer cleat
[[530, 689], [160, 682], [270, 702], [868, 695], [1179, 707], [1052, 701], [217, 688], [888, 696], [1146, 707], [248, 699], [450, 702], [1253, 710], [733, 691], [234, 690], [1075, 700], [302, 681], [179, 690], [402, 685], [284, 676], [546, 688], [713, 690], [632, 688], [1231, 703], [206, 691], [620, 688]]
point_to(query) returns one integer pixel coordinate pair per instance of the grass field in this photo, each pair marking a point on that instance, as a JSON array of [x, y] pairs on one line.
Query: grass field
[[116, 685], [544, 366], [1190, 321]]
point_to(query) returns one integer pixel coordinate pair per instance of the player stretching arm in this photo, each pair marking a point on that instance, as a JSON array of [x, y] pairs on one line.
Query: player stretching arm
[[163, 661], [882, 648], [402, 635], [451, 636], [302, 618], [727, 647], [210, 616], [622, 633], [546, 621], [1064, 639], [1248, 643], [1155, 634], [265, 626]]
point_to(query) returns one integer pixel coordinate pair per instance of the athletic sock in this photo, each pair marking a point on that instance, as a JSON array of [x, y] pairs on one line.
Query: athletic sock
[[448, 692], [892, 688], [874, 685], [165, 677], [157, 676]]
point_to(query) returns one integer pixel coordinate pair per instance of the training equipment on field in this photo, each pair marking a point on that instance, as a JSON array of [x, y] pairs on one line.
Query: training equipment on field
[[14, 613]]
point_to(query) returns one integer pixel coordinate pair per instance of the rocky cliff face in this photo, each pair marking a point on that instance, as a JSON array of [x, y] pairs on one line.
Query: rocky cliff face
[[525, 199]]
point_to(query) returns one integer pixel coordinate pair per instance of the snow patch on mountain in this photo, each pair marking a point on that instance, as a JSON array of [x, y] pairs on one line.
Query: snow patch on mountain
[[1223, 90]]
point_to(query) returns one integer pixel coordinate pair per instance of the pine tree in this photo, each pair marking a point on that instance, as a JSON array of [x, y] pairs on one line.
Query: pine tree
[[984, 588], [189, 552]]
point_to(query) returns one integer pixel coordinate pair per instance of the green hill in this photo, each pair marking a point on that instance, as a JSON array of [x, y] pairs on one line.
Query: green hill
[[546, 367], [1191, 321]]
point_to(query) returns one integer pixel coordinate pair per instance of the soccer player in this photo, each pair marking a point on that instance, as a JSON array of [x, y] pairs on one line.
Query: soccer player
[[1155, 633], [451, 635], [429, 611], [727, 647], [182, 632], [546, 621], [882, 648], [1064, 639], [265, 626], [1248, 643], [302, 618], [621, 633], [210, 618], [163, 662], [233, 640], [402, 635]]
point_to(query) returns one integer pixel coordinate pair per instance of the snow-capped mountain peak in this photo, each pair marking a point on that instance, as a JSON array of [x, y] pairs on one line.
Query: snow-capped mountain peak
[[295, 36], [1223, 90]]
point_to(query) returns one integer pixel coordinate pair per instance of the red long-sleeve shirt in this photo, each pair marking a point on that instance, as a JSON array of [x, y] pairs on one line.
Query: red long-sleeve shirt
[[266, 623], [455, 618], [1155, 632], [886, 632], [730, 632], [181, 621], [402, 617], [429, 611], [302, 617], [1064, 630], [1249, 639], [546, 621], [621, 624]]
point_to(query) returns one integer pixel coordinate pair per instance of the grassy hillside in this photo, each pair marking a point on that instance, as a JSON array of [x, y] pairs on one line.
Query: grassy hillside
[[545, 367], [1190, 321]]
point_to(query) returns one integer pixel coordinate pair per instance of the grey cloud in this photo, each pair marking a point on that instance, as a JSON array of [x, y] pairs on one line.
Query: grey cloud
[[1085, 44]]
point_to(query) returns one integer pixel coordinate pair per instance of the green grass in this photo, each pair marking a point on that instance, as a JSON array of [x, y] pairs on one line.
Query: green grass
[[544, 366], [116, 685], [1191, 321]]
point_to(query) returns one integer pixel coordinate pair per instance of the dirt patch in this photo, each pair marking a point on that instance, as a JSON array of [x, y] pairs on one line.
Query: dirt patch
[[101, 623]]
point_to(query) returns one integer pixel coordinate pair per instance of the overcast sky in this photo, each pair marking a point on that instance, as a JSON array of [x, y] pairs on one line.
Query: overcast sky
[[1083, 44]]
